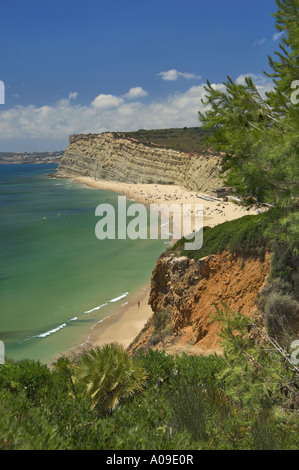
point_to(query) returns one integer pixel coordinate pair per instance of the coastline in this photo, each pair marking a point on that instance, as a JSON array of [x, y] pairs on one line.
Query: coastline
[[215, 210], [126, 321], [121, 326]]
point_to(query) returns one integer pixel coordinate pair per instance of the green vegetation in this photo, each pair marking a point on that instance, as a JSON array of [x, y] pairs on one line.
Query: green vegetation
[[260, 135], [187, 139], [252, 235], [108, 375], [280, 308], [246, 399], [162, 326], [241, 235]]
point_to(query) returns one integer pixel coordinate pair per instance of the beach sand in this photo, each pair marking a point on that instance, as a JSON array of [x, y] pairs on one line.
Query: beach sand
[[121, 326], [126, 322], [215, 211]]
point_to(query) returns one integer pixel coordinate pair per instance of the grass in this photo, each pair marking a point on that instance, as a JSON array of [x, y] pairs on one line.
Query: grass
[[187, 139], [246, 234]]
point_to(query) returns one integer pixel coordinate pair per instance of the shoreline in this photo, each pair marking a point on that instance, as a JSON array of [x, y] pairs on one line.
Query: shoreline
[[121, 326], [215, 210], [125, 322]]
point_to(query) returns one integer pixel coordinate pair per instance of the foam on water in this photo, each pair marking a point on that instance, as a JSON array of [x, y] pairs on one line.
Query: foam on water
[[60, 280]]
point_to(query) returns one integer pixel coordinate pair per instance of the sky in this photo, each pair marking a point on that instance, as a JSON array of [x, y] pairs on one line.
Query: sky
[[74, 66]]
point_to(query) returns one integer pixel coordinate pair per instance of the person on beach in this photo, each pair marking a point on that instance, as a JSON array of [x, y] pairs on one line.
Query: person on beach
[[138, 304]]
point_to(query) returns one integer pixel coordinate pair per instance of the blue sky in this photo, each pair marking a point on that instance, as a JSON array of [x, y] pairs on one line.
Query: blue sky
[[97, 65]]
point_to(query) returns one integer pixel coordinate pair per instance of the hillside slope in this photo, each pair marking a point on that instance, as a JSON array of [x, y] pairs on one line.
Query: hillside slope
[[184, 293]]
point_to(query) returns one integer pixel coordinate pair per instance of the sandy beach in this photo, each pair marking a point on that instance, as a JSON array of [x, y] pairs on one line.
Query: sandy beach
[[121, 326], [215, 210], [125, 323]]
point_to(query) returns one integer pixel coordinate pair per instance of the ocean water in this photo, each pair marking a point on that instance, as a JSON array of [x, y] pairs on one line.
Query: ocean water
[[56, 278]]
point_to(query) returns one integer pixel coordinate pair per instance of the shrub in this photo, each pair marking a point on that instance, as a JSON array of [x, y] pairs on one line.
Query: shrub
[[279, 307], [160, 367], [246, 234], [109, 375], [279, 311], [196, 408], [29, 377], [162, 323], [265, 434], [284, 261]]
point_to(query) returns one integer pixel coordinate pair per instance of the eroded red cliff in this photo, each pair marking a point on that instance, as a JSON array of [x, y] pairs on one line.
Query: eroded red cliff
[[185, 292]]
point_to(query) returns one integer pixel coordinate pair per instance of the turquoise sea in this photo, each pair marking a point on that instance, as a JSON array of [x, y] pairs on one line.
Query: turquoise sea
[[56, 278]]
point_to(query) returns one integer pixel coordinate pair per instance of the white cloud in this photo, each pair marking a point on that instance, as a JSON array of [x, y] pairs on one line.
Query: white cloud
[[259, 42], [73, 95], [262, 82], [110, 113], [106, 101], [172, 75], [136, 92], [277, 36]]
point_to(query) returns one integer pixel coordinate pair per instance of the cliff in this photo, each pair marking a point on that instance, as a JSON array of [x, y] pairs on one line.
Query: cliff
[[115, 157], [184, 293]]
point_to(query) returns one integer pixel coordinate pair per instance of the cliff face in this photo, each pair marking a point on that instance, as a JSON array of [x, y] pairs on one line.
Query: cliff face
[[115, 158], [186, 290]]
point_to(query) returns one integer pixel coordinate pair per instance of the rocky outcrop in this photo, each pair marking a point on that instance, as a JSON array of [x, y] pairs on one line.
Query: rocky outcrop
[[112, 157], [188, 290]]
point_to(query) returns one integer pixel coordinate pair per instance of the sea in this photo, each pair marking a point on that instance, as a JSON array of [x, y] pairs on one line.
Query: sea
[[57, 279]]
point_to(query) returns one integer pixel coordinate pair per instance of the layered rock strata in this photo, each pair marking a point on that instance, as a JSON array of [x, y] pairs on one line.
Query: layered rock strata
[[109, 156]]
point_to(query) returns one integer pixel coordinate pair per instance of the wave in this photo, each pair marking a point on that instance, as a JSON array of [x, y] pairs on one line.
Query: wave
[[96, 308], [63, 325], [53, 330], [106, 303], [100, 321], [118, 298], [50, 332]]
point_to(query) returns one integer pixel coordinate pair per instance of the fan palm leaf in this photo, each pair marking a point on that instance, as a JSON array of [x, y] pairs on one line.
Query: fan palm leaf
[[108, 375]]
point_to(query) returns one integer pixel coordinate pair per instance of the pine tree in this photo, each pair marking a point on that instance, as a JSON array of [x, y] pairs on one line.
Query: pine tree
[[286, 68], [260, 135]]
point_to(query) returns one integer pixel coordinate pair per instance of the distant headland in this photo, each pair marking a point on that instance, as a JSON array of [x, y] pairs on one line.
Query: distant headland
[[30, 157]]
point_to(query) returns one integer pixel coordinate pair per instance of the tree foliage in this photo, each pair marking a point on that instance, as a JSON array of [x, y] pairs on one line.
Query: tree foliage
[[259, 134], [259, 370]]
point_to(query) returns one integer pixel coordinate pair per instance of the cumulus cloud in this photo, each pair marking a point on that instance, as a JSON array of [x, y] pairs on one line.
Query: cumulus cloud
[[110, 113], [106, 101], [136, 92], [172, 75]]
